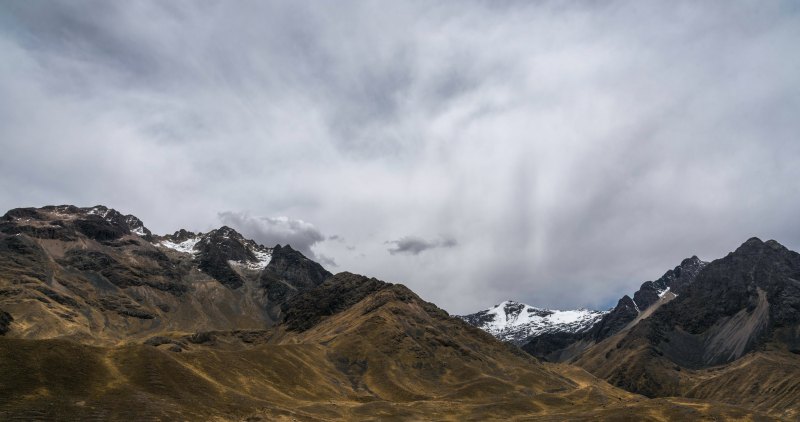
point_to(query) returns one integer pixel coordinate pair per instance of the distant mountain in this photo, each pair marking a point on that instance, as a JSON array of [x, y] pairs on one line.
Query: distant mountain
[[517, 322], [561, 346]]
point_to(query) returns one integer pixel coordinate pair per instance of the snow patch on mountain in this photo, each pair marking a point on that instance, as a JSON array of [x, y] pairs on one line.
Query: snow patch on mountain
[[263, 257], [516, 322], [187, 246]]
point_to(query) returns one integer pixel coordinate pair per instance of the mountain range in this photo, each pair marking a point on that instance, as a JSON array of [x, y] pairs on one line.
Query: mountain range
[[100, 319], [726, 330]]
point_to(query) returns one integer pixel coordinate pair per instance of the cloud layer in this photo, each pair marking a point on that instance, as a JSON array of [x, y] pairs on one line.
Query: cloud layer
[[574, 150]]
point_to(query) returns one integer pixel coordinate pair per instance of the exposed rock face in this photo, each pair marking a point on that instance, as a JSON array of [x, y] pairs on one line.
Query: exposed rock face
[[218, 248], [289, 273], [5, 321], [21, 258], [66, 222], [736, 304], [627, 309], [552, 347], [622, 314], [335, 295], [675, 280], [181, 235]]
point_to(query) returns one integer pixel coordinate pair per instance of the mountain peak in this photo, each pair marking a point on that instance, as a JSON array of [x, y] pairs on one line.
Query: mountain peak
[[693, 260], [508, 303], [754, 245], [516, 322], [67, 222], [750, 244]]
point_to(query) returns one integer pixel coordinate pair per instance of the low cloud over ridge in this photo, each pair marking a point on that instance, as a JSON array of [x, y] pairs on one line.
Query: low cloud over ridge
[[270, 231]]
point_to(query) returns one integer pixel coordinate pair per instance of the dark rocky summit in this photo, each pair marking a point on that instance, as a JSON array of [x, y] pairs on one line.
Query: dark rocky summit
[[217, 248], [736, 304], [334, 295], [287, 274], [66, 222], [675, 280]]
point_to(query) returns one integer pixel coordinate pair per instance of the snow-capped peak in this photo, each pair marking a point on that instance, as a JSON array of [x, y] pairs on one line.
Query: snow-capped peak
[[515, 322], [226, 242]]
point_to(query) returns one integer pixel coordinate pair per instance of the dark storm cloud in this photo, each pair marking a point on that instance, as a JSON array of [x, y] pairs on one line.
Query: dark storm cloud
[[573, 149], [271, 231], [414, 245]]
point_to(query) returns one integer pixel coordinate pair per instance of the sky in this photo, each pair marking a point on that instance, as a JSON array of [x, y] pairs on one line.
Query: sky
[[554, 153]]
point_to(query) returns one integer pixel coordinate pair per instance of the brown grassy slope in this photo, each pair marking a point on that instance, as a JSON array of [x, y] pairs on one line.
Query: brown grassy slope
[[375, 353], [765, 381], [61, 380], [302, 379]]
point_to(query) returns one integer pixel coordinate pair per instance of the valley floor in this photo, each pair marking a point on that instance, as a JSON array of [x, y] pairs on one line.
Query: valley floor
[[62, 380]]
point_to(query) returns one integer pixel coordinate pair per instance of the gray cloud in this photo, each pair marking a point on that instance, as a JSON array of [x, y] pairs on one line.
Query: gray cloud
[[327, 261], [270, 231], [573, 150], [412, 245]]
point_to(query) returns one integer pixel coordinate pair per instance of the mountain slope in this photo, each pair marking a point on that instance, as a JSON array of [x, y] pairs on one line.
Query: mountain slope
[[518, 323], [722, 338], [563, 346], [88, 274]]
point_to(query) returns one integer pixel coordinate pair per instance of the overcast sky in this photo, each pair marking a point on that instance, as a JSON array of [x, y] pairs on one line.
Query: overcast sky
[[556, 153]]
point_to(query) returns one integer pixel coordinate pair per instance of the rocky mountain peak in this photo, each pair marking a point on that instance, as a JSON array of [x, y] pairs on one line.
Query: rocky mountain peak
[[225, 232], [694, 260], [288, 273], [182, 235], [674, 280], [220, 250], [755, 271], [754, 246], [68, 222]]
